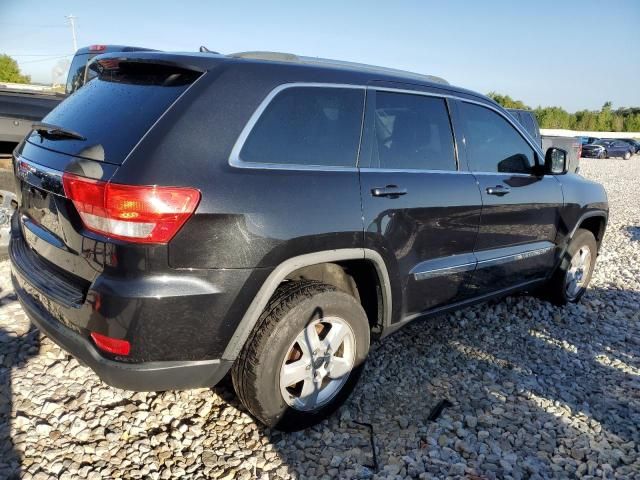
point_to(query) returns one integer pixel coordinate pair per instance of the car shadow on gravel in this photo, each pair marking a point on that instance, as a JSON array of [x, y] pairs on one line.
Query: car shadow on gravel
[[545, 387], [534, 389], [18, 343]]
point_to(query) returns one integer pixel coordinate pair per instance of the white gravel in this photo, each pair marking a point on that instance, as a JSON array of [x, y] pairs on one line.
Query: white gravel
[[536, 391]]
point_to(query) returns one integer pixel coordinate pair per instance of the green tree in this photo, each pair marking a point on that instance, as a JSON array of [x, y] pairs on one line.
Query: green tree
[[624, 119], [554, 117], [506, 101], [10, 71]]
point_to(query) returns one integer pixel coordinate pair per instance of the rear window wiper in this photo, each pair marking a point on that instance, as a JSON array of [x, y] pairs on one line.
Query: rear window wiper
[[54, 132]]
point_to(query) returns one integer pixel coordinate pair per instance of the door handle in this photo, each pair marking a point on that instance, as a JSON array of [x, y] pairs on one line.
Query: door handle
[[499, 190], [391, 191]]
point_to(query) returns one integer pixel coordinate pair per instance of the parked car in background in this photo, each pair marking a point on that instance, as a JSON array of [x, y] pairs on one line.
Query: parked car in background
[[164, 256], [607, 148], [587, 140], [635, 144]]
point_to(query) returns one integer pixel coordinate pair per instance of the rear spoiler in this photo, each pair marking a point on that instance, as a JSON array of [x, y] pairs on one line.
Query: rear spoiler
[[194, 62]]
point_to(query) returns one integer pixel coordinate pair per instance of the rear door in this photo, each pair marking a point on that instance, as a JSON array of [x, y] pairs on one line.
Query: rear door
[[420, 210], [520, 209]]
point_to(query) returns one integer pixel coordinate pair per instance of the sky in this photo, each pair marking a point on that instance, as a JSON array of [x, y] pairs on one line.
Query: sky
[[576, 54]]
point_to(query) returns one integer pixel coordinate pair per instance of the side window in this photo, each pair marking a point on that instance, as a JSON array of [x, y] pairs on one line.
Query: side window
[[411, 132], [492, 143], [308, 126]]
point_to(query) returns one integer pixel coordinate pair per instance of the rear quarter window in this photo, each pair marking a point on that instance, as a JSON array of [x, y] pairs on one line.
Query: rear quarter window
[[311, 126]]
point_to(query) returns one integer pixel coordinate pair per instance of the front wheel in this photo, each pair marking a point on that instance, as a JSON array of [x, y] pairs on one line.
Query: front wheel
[[569, 283], [627, 155], [304, 357]]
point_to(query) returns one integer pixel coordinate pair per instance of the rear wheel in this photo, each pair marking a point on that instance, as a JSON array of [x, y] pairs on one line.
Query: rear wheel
[[570, 281], [304, 357]]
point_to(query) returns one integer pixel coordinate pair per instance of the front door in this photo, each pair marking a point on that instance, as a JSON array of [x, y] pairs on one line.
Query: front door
[[520, 209], [420, 211]]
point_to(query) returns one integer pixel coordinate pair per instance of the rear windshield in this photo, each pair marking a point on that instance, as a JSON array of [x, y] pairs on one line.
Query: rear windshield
[[114, 110]]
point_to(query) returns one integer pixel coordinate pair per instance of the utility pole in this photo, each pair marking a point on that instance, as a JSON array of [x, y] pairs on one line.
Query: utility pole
[[72, 22]]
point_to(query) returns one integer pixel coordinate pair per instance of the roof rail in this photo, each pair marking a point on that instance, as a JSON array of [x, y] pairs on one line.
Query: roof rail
[[293, 58]]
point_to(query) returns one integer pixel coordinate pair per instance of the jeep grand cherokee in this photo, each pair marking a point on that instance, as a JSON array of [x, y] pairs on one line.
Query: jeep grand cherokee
[[186, 215]]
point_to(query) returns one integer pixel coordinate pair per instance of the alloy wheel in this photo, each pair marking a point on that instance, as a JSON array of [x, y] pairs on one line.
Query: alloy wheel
[[318, 363], [578, 272]]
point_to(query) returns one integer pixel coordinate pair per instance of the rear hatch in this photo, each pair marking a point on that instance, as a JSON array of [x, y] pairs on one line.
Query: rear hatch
[[89, 135]]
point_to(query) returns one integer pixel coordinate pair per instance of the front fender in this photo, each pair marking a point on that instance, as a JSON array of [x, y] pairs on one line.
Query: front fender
[[583, 199]]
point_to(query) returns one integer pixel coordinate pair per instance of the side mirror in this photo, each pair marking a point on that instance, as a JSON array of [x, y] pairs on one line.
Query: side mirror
[[555, 161]]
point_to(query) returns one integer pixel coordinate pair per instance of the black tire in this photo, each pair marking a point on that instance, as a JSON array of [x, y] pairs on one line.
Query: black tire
[[256, 372], [555, 289], [605, 154]]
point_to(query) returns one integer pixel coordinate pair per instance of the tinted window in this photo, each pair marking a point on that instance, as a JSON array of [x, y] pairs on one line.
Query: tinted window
[[492, 143], [411, 132], [308, 126], [116, 109]]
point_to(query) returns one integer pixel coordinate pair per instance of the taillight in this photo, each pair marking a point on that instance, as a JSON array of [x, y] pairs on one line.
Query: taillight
[[139, 214], [97, 48], [111, 345]]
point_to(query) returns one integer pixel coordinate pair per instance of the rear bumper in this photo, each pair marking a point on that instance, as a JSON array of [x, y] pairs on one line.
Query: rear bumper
[[144, 376]]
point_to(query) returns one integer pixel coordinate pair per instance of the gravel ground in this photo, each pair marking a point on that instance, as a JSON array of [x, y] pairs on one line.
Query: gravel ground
[[534, 391]]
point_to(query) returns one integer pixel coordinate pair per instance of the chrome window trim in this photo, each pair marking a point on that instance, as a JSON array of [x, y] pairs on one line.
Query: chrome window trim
[[236, 161]]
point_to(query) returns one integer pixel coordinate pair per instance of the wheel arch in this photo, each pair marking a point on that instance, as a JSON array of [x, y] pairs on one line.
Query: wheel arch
[[595, 222], [291, 265]]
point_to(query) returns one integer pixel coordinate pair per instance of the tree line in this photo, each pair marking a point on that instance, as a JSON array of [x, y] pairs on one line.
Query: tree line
[[10, 71], [604, 120]]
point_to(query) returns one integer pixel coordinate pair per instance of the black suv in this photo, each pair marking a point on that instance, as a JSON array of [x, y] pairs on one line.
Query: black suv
[[186, 215]]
